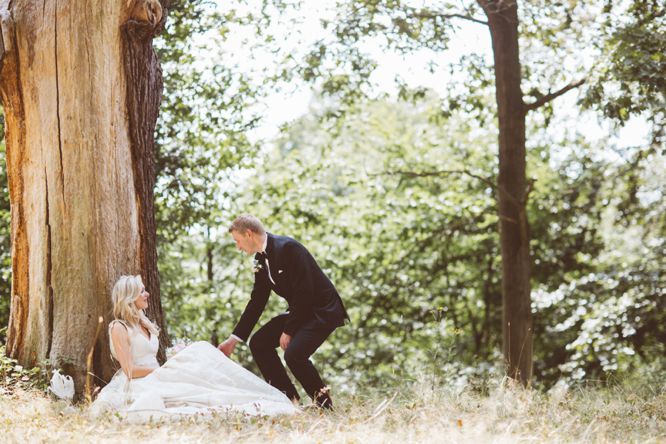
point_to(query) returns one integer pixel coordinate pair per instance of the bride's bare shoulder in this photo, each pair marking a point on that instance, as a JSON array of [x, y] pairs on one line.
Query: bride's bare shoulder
[[118, 328]]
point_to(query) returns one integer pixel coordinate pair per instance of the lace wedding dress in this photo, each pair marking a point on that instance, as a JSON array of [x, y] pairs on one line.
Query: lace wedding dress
[[200, 379]]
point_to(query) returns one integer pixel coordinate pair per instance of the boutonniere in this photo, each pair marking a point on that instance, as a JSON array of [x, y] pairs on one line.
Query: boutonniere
[[256, 266]]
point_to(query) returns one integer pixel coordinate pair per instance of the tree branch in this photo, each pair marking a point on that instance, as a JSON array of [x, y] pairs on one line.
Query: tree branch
[[424, 14], [551, 96], [439, 173], [514, 200]]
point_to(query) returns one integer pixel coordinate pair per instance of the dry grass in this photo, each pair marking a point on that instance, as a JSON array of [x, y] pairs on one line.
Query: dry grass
[[507, 415]]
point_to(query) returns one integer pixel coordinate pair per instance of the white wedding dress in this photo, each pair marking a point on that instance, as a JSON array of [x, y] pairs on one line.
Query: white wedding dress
[[200, 379]]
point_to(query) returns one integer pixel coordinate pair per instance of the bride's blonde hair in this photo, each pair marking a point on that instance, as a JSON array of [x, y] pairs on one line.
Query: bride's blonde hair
[[124, 293]]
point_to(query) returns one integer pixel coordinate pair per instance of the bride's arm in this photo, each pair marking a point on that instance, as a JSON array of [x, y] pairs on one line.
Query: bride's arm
[[122, 347]]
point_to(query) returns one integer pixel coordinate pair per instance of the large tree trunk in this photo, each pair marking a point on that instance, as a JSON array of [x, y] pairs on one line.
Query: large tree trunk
[[512, 191], [80, 92]]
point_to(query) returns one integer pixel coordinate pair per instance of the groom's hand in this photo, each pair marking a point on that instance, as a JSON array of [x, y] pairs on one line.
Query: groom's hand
[[285, 339], [227, 347]]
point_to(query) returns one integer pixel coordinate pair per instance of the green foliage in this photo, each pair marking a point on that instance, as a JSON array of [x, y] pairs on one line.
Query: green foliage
[[340, 65], [205, 117], [396, 198], [629, 79], [202, 143], [377, 236], [14, 376], [608, 317], [605, 319], [398, 248], [567, 204], [412, 249]]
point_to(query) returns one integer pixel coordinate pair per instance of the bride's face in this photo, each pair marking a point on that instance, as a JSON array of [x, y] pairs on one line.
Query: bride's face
[[141, 300]]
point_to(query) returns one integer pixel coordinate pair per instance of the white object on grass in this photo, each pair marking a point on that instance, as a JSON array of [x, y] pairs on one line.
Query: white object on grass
[[62, 386]]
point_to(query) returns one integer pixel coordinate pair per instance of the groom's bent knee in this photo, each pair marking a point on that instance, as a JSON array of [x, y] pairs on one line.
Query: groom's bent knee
[[293, 356], [257, 346]]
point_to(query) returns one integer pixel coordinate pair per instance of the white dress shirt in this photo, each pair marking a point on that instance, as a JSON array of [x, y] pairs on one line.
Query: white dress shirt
[[268, 266]]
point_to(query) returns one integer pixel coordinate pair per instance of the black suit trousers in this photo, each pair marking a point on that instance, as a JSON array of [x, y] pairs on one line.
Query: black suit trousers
[[304, 343]]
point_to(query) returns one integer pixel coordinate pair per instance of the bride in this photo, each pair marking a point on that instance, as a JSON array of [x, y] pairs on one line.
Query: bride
[[199, 379]]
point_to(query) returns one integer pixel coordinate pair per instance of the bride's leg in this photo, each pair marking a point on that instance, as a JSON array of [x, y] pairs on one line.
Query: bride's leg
[[263, 345]]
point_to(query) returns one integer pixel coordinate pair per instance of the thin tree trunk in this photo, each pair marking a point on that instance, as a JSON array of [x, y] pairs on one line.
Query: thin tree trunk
[[79, 170], [512, 194], [214, 337]]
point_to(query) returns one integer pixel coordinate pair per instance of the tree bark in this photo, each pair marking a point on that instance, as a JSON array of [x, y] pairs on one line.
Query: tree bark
[[144, 93], [79, 160], [512, 190]]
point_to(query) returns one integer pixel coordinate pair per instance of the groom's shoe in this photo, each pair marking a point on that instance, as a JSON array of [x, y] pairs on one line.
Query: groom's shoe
[[323, 399]]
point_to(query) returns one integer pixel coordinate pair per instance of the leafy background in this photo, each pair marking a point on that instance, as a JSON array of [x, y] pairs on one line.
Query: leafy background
[[393, 192]]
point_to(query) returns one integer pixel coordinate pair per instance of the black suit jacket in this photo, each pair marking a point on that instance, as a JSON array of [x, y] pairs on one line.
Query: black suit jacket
[[299, 280]]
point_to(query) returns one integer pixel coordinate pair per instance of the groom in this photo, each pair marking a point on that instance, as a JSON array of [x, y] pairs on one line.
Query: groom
[[315, 309]]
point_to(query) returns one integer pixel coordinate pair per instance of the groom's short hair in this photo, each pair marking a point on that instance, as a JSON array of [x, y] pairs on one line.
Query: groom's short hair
[[247, 222]]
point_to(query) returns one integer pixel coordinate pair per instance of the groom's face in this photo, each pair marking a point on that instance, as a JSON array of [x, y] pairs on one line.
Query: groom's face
[[246, 241]]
